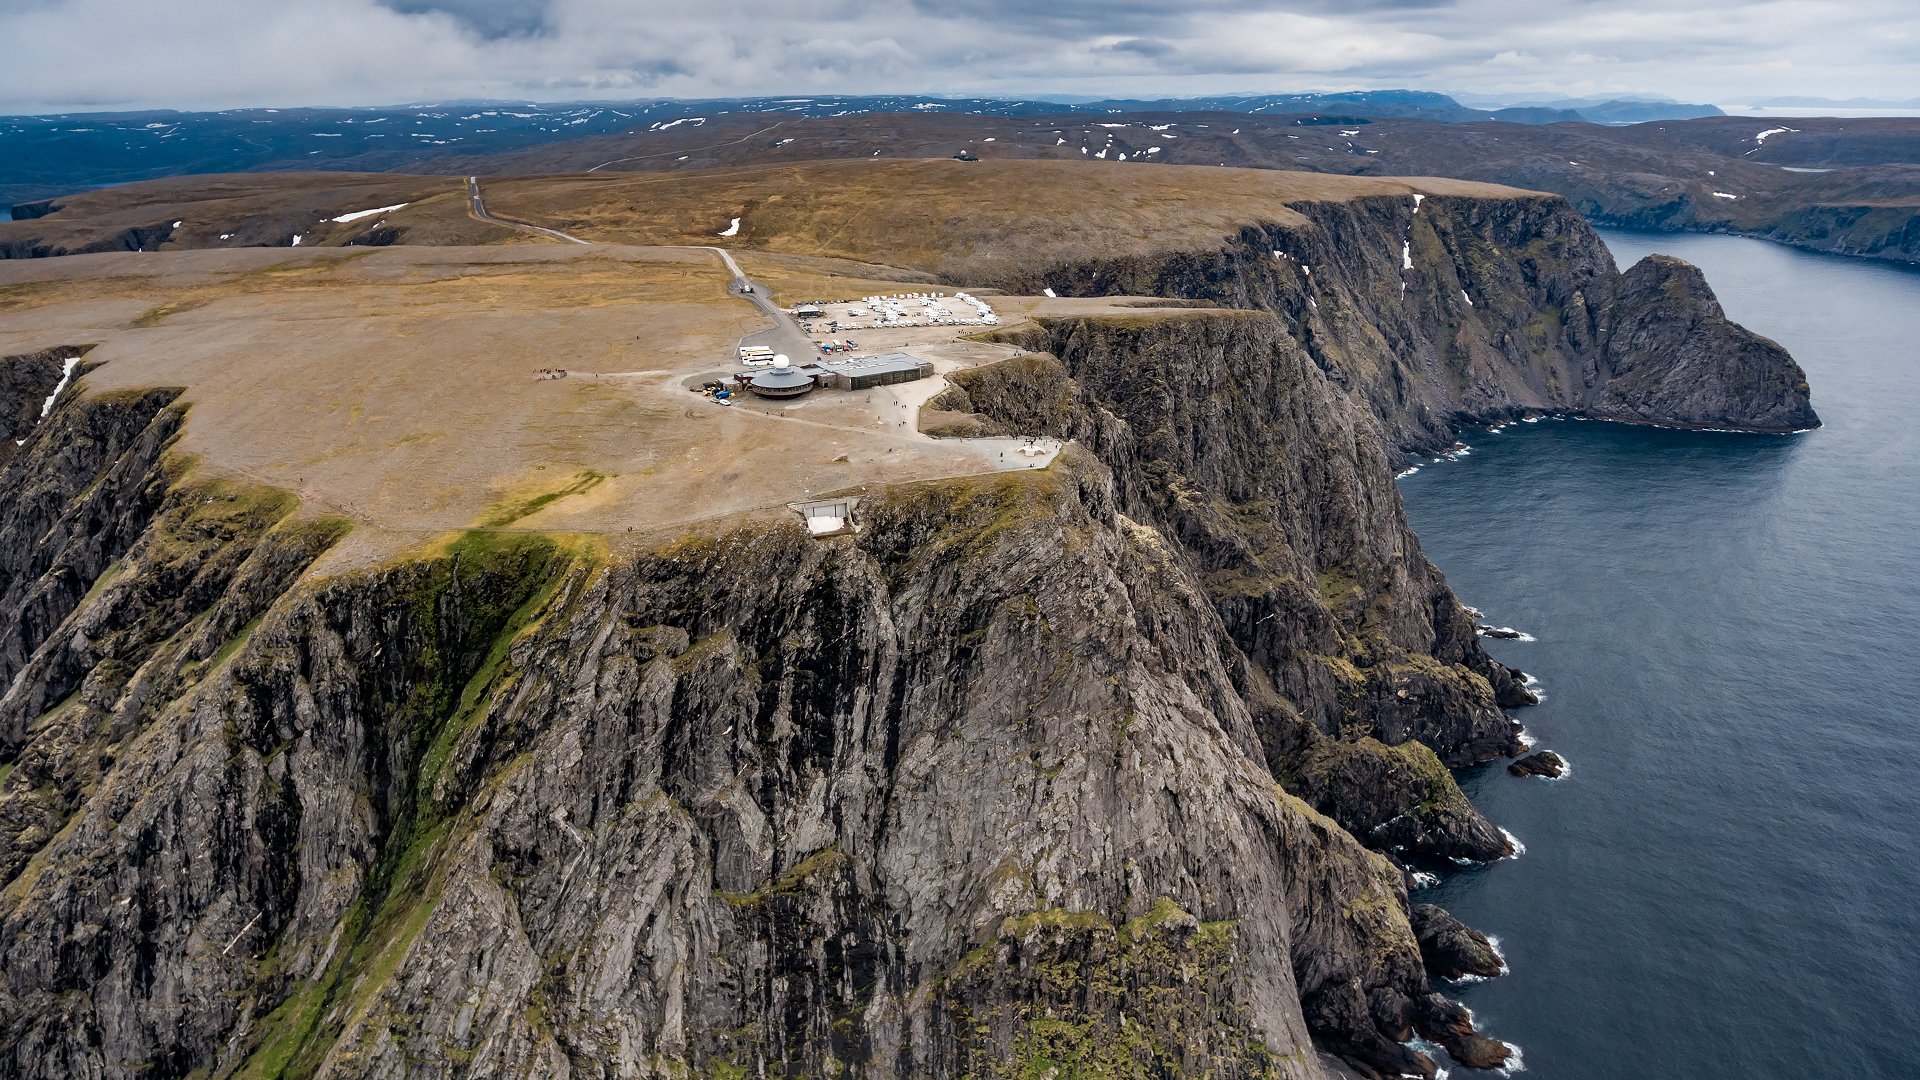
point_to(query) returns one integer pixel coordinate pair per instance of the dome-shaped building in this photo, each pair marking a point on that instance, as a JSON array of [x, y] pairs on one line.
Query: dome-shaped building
[[781, 380]]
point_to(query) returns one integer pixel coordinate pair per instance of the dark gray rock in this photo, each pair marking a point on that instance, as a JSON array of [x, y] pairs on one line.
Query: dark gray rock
[[1450, 947], [1451, 1025], [1673, 358], [1543, 763]]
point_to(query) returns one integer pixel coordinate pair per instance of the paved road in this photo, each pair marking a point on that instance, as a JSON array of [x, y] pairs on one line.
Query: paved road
[[785, 335], [480, 211]]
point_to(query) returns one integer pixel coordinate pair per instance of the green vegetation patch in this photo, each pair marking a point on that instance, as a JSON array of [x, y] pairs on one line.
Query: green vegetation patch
[[514, 509], [1066, 993], [154, 316], [464, 609]]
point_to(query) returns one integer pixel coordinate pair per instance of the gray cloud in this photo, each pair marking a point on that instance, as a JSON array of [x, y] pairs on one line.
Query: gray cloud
[[489, 18], [222, 53]]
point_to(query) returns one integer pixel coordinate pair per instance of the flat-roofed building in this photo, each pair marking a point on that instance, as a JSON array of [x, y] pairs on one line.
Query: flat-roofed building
[[864, 372]]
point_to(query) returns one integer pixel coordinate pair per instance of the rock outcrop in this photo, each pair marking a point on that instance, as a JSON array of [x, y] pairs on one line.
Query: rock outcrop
[[1451, 948], [1673, 358], [1447, 311], [1543, 763]]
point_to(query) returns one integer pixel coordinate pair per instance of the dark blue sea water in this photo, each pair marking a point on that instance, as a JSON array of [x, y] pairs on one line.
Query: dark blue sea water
[[1729, 640]]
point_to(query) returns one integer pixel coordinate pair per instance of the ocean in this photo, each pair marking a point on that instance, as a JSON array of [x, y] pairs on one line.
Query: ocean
[[1727, 883]]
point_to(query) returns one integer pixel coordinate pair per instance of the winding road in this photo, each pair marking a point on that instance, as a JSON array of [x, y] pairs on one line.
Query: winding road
[[784, 336], [480, 211]]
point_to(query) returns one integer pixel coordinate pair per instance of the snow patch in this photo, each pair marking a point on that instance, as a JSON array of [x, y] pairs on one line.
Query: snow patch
[[1724, 195], [66, 373], [1464, 296], [1048, 292], [1406, 255], [732, 229], [1761, 139], [358, 214]]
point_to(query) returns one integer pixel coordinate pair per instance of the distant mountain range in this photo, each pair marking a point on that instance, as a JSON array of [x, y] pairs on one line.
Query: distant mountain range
[[42, 156]]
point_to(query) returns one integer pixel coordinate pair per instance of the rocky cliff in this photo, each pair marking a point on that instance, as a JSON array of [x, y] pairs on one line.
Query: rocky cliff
[[1444, 311], [28, 383], [1115, 769], [1004, 783]]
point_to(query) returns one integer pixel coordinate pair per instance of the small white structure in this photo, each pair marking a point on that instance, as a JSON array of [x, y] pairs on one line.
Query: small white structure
[[827, 517]]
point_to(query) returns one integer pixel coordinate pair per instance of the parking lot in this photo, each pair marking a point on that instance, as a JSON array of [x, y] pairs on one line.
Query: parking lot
[[891, 311]]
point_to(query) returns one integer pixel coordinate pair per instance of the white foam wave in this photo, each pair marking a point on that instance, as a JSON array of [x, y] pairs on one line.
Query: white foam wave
[[1494, 944], [1530, 420], [1408, 471], [1423, 879], [1516, 1061], [1421, 1046], [1519, 848], [1526, 739]]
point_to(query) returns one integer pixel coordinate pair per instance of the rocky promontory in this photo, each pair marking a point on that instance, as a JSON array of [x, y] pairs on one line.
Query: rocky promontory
[[1113, 768]]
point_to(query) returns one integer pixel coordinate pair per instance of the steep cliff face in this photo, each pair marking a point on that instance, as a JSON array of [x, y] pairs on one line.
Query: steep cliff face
[[1672, 356], [983, 790], [28, 383], [1444, 311], [1230, 440]]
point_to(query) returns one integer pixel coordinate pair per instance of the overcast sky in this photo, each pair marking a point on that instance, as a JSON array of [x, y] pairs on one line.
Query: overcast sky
[[112, 54]]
